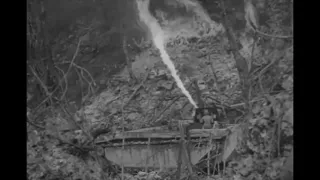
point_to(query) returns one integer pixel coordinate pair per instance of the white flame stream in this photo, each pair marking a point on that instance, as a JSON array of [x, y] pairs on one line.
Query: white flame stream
[[158, 42], [158, 38]]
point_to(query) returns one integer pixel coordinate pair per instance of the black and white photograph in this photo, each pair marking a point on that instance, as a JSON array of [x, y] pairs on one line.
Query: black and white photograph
[[159, 90]]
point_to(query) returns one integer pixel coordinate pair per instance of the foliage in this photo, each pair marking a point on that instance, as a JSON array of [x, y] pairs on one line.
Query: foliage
[[79, 88]]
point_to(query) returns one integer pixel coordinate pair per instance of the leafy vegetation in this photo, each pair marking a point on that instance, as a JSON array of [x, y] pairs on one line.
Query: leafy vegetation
[[90, 74]]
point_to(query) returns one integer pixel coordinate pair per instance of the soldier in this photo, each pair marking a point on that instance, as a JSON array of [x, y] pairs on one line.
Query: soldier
[[215, 125], [207, 120]]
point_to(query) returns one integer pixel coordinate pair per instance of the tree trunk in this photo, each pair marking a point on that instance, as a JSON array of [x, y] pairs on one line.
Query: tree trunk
[[128, 58]]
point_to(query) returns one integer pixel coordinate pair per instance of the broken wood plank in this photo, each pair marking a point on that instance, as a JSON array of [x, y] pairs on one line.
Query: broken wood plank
[[215, 133]]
